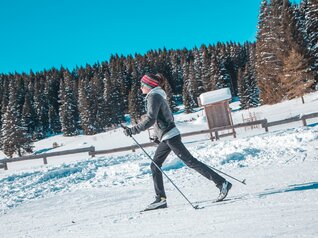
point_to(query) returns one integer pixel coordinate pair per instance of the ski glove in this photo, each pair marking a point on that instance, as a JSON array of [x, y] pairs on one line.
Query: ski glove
[[128, 131], [155, 140]]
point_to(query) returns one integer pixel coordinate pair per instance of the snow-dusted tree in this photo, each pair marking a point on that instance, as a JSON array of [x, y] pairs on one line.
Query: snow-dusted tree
[[268, 65], [167, 88], [231, 63], [311, 28], [27, 125], [197, 67], [40, 107], [134, 95], [223, 60], [205, 69], [133, 102], [223, 80], [117, 97], [4, 103], [68, 105], [2, 90], [117, 103], [248, 89], [98, 87], [214, 74], [107, 98], [176, 71], [91, 102], [15, 138], [190, 89], [28, 115], [86, 108], [52, 91]]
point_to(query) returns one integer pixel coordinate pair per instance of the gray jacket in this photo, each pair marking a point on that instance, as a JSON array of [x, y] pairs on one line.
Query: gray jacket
[[159, 115]]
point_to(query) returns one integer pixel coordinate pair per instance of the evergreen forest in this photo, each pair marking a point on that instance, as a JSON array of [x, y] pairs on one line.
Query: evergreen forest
[[281, 64]]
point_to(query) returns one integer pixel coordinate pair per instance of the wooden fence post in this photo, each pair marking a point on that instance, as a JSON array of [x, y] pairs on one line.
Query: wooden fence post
[[264, 125], [92, 152], [44, 160], [217, 135], [304, 121]]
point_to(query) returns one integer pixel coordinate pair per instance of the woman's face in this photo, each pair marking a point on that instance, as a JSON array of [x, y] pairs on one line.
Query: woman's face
[[144, 89]]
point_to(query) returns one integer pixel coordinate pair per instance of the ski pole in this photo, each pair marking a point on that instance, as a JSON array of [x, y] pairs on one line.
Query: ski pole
[[243, 181], [195, 207]]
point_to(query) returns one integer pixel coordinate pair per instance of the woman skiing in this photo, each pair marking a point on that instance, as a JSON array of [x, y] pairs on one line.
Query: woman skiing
[[168, 138]]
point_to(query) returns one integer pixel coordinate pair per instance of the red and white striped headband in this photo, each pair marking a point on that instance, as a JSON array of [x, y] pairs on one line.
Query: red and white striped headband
[[149, 81]]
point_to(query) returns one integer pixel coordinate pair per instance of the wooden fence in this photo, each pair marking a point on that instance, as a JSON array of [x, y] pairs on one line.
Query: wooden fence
[[262, 122], [302, 118], [44, 156], [92, 152]]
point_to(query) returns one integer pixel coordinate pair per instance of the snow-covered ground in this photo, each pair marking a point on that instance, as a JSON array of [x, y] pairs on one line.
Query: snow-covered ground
[[79, 196]]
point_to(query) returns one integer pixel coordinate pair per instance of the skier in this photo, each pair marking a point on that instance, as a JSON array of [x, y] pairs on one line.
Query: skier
[[168, 138]]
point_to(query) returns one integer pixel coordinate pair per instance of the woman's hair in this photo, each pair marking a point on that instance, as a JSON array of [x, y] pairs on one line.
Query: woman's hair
[[160, 78]]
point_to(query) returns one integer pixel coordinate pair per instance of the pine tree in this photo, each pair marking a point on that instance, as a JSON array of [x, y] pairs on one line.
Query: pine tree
[[133, 102], [118, 103], [116, 97], [4, 103], [28, 116], [253, 85], [167, 88], [190, 88], [231, 65], [185, 95], [52, 91], [311, 28], [136, 99], [268, 51], [98, 85], [2, 88], [108, 98], [176, 71], [15, 138], [205, 72], [40, 107], [215, 74], [27, 127], [68, 105], [85, 106], [296, 79], [197, 68], [248, 90], [223, 60], [8, 132]]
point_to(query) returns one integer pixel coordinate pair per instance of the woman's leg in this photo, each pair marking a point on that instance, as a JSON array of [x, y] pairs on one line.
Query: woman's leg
[[161, 154], [181, 151]]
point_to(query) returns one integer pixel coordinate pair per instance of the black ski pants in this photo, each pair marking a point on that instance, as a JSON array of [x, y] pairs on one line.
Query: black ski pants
[[175, 144]]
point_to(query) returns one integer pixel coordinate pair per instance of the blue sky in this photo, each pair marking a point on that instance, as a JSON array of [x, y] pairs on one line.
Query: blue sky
[[40, 34]]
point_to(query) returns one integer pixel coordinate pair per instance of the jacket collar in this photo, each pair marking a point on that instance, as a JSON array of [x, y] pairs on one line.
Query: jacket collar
[[157, 90]]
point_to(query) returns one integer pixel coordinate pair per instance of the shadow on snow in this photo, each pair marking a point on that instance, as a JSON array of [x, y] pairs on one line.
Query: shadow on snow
[[293, 188]]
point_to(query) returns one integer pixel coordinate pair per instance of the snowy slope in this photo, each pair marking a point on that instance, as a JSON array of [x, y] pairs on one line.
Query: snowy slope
[[78, 196]]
